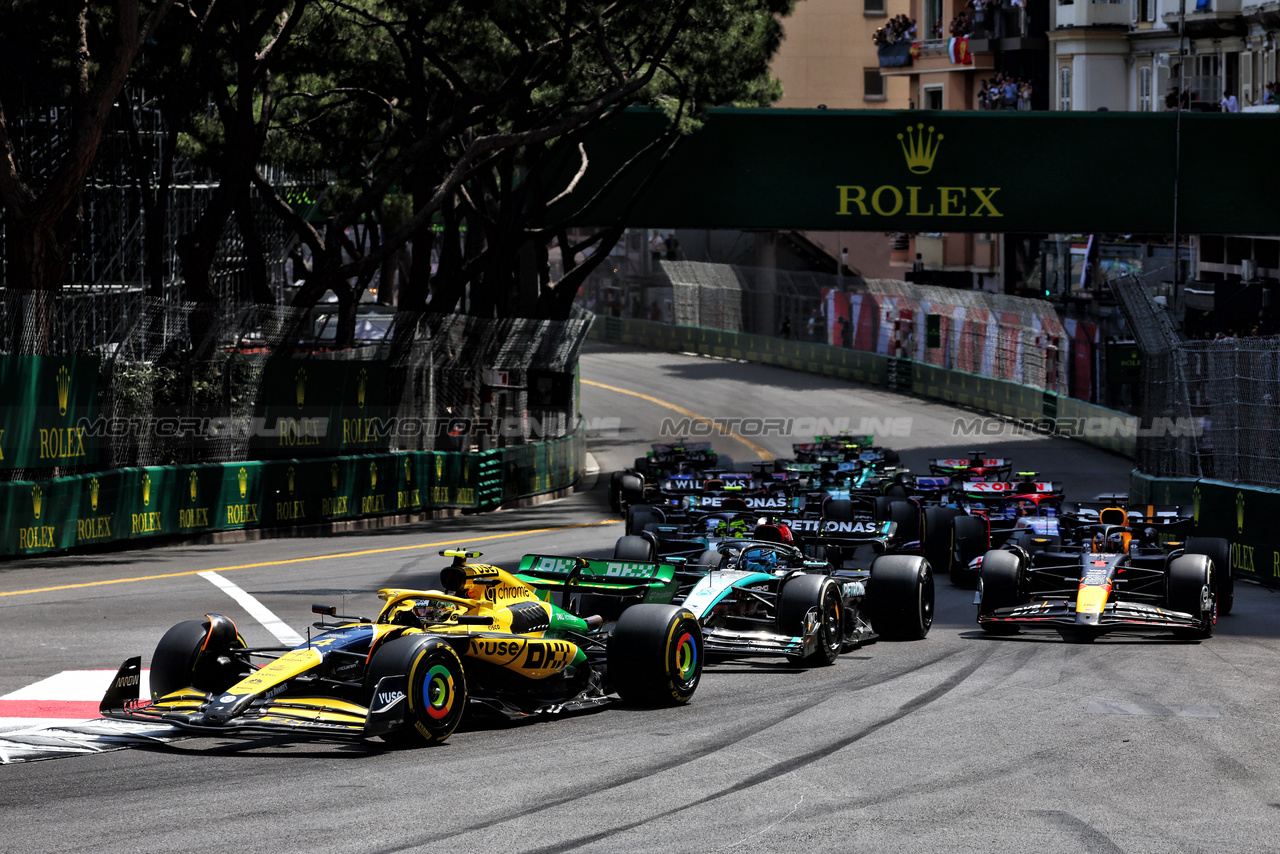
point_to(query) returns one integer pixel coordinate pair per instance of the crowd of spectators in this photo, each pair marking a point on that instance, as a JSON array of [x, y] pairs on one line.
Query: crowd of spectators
[[899, 27], [1005, 92]]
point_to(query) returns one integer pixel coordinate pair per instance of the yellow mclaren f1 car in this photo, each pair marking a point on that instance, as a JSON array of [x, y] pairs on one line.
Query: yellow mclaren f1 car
[[490, 640]]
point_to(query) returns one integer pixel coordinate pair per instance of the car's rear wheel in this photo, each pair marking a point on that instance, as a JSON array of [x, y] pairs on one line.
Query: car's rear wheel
[[907, 515], [436, 692], [937, 537], [900, 596], [969, 540], [798, 596], [999, 586], [655, 655], [838, 510], [633, 548], [198, 654], [640, 515]]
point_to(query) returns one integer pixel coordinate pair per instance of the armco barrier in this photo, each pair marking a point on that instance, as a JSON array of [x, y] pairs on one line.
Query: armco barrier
[[164, 501], [1047, 412]]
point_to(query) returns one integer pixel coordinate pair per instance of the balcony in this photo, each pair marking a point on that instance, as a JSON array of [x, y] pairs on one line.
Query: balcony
[[1210, 19], [1088, 13], [1008, 28]]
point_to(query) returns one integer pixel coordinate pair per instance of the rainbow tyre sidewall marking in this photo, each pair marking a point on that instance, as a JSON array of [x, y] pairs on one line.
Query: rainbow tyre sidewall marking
[[686, 657], [438, 692]]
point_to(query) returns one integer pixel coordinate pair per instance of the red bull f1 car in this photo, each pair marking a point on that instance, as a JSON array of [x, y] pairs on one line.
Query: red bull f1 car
[[1102, 578], [490, 641]]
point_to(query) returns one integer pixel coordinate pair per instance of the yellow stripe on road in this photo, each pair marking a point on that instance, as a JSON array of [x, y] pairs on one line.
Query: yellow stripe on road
[[313, 557], [760, 451]]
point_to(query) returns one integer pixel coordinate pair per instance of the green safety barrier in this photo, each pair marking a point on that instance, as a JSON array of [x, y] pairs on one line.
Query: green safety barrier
[[48, 411], [88, 510], [1243, 515], [318, 407]]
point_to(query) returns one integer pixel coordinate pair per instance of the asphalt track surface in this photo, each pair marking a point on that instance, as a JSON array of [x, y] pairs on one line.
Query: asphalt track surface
[[959, 742]]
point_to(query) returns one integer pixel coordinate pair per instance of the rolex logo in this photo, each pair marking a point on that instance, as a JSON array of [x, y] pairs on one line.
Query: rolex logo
[[408, 472], [360, 387], [193, 484], [64, 389], [301, 386], [291, 480], [1195, 505], [37, 500], [146, 490], [1239, 512], [919, 149], [333, 476], [373, 476], [439, 466], [93, 494], [243, 477]]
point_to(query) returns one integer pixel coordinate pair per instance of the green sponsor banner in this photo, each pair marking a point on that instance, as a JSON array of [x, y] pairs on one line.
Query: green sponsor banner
[[146, 505], [49, 406], [239, 503], [319, 407], [877, 170], [411, 493], [194, 497]]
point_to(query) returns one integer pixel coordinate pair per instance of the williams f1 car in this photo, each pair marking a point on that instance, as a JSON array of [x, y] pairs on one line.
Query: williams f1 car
[[490, 641]]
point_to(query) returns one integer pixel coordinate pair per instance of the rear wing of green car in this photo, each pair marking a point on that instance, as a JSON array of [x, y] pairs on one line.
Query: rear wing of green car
[[655, 582]]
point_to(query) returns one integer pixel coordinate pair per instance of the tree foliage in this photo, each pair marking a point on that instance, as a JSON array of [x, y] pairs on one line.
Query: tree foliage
[[436, 125]]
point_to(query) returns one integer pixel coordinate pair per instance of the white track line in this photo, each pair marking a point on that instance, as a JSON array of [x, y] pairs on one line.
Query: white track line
[[257, 610]]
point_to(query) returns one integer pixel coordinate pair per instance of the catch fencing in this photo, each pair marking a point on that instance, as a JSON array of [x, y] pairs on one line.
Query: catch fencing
[[185, 383]]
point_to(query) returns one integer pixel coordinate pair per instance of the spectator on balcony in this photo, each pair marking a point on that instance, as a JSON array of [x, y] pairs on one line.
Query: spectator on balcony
[[960, 25], [1229, 102], [1270, 96], [984, 97], [1024, 95]]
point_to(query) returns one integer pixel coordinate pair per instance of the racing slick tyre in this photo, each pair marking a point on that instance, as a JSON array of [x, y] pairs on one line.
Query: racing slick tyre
[[655, 655], [634, 548], [1217, 550], [900, 596], [436, 694], [880, 508], [999, 586], [630, 490], [907, 515], [799, 595], [184, 659], [615, 491], [710, 559], [968, 540], [639, 515], [937, 537], [838, 510], [1191, 579]]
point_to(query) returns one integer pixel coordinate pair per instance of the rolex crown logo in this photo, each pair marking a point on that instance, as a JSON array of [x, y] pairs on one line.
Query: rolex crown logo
[[301, 379], [1239, 512], [146, 490], [1195, 505], [291, 480], [37, 500], [193, 483], [919, 149], [408, 472], [64, 389], [243, 477], [333, 476], [93, 494], [373, 476], [360, 387]]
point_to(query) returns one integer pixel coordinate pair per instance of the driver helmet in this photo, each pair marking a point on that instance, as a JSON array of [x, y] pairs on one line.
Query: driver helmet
[[760, 560]]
